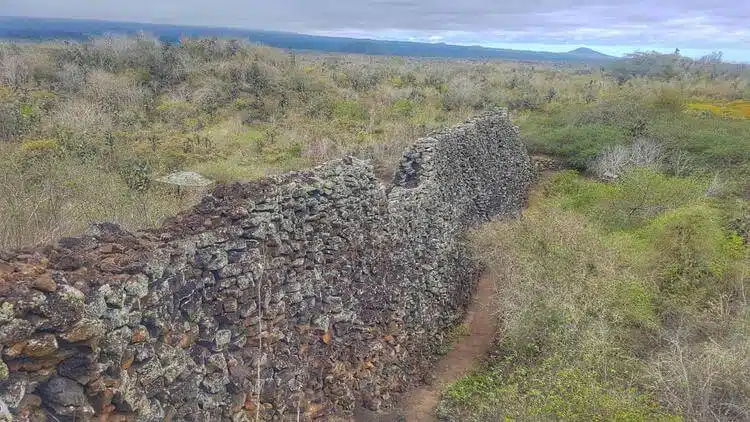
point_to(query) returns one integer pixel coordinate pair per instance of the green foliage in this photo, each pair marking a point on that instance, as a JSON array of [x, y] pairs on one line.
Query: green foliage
[[550, 390], [39, 146], [452, 336], [13, 122], [404, 108], [630, 201], [37, 157], [693, 254], [606, 293], [349, 111], [136, 174], [711, 141], [176, 112], [579, 144], [669, 99], [567, 318], [402, 81]]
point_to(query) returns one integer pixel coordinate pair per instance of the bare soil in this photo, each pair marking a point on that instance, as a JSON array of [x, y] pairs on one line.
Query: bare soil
[[469, 350]]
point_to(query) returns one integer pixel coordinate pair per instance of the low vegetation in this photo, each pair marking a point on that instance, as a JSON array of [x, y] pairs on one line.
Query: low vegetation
[[622, 290], [87, 128], [618, 301]]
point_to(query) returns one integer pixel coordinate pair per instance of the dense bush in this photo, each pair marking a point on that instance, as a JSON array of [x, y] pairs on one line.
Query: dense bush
[[617, 301]]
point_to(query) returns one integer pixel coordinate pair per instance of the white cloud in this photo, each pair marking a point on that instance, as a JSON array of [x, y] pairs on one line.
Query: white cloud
[[700, 24]]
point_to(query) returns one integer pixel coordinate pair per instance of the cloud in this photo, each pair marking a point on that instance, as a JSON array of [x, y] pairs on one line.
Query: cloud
[[699, 24]]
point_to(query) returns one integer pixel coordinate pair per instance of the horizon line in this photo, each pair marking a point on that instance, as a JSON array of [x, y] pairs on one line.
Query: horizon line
[[624, 50]]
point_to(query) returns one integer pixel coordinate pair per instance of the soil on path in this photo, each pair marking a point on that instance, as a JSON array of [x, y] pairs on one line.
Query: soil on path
[[419, 404]]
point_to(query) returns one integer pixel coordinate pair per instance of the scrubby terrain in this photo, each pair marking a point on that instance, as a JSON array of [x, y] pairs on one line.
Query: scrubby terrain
[[86, 128], [618, 301], [621, 293]]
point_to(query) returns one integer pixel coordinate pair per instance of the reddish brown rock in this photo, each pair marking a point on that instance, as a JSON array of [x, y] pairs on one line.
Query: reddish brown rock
[[84, 329], [41, 346], [44, 283], [140, 335]]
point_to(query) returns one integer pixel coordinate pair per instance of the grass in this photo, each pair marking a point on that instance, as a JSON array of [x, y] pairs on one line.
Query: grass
[[738, 109], [617, 301], [454, 335], [579, 136], [130, 110]]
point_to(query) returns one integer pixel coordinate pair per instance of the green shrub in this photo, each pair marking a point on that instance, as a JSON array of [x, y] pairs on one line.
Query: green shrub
[[630, 201], [669, 99], [551, 390], [176, 112], [39, 146], [617, 301], [570, 326], [404, 108], [12, 122], [577, 144], [349, 110], [693, 256], [136, 174]]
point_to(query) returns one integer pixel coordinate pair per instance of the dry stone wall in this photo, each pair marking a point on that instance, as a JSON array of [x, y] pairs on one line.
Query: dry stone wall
[[297, 296]]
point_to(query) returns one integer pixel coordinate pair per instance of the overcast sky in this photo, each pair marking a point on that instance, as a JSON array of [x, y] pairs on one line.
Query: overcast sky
[[613, 26]]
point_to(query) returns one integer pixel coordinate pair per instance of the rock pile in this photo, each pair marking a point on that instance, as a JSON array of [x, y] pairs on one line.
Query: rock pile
[[304, 294]]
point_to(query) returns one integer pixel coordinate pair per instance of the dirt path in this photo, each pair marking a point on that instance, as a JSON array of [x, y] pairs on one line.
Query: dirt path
[[469, 350], [419, 404]]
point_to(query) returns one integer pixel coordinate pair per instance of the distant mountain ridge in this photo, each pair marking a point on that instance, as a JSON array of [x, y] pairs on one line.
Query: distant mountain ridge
[[593, 54], [34, 29]]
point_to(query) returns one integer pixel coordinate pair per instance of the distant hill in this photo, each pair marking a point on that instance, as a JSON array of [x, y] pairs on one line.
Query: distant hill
[[18, 28], [584, 52]]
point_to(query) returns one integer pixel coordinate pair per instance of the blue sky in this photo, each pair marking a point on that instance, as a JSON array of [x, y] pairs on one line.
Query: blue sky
[[615, 27]]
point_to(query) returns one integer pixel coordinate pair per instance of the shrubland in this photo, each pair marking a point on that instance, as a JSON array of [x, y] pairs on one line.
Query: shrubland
[[622, 289], [620, 300], [86, 128]]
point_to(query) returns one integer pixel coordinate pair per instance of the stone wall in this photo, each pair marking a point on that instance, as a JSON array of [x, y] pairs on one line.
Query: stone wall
[[303, 295]]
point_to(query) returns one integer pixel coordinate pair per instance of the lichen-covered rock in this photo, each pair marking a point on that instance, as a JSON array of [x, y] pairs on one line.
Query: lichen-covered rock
[[15, 330], [84, 330], [63, 392], [313, 291], [40, 346]]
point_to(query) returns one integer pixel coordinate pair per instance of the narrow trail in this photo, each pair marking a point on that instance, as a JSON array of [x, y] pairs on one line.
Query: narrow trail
[[419, 404], [468, 351]]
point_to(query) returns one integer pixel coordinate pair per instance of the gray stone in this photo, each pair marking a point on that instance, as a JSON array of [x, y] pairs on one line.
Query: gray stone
[[114, 342], [216, 362], [322, 322], [96, 306], [6, 312], [13, 391], [15, 330], [230, 305], [185, 179], [115, 318], [149, 374], [41, 346], [212, 258], [223, 337], [64, 392], [113, 296], [137, 286], [215, 383]]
